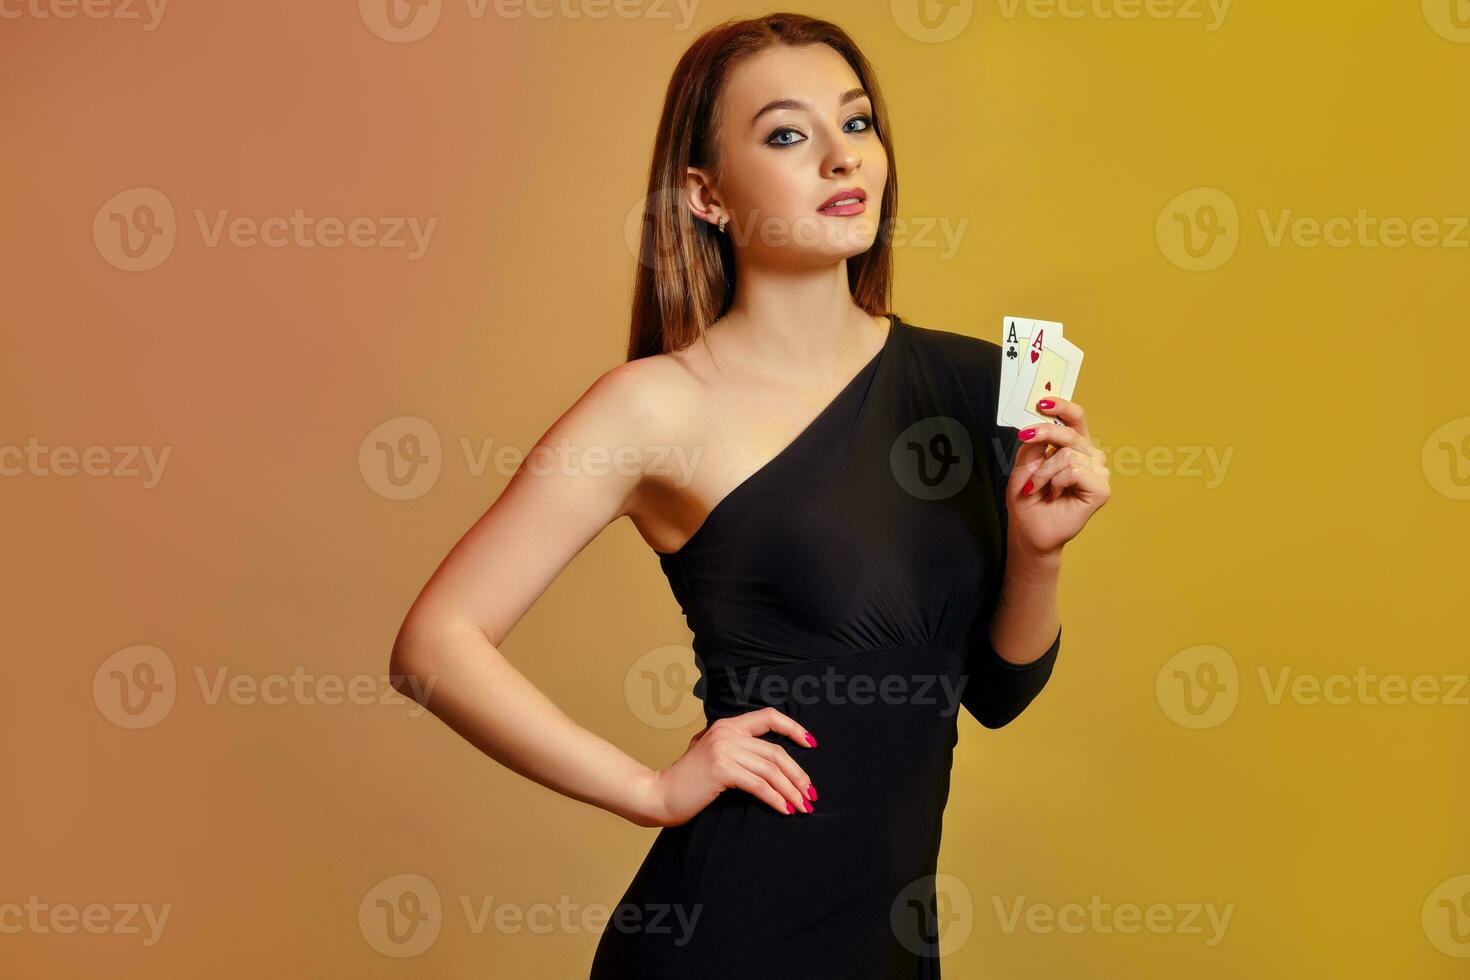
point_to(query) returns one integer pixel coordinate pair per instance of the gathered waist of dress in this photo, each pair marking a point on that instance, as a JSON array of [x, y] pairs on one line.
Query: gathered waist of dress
[[916, 674]]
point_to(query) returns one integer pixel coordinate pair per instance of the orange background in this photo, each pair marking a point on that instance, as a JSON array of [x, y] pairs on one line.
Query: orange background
[[1055, 147]]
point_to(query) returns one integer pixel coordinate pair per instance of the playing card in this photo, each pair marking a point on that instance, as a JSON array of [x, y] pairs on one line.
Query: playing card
[[1015, 333], [1049, 365]]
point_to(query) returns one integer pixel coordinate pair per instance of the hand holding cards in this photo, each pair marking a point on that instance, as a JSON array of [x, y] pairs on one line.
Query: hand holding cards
[[1058, 478], [1036, 361]]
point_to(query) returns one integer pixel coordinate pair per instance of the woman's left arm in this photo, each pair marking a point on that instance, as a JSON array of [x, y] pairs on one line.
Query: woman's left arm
[[1058, 481]]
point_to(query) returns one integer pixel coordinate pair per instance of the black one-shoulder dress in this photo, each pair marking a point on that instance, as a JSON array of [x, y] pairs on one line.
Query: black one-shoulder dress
[[849, 582]]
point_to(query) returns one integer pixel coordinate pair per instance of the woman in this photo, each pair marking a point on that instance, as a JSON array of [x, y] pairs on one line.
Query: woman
[[850, 552]]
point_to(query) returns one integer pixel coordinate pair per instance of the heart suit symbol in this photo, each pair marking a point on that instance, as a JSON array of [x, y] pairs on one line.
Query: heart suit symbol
[[1034, 356]]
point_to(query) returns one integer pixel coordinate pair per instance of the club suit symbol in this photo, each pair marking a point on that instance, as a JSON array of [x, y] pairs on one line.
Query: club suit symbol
[[135, 229], [1199, 229], [1198, 687]]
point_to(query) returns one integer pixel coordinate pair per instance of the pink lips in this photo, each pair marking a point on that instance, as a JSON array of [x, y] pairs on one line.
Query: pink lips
[[857, 206]]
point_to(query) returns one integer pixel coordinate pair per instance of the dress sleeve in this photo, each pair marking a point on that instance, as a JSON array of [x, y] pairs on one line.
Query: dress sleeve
[[996, 690]]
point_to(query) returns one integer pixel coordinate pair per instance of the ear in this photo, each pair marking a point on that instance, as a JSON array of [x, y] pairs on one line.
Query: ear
[[700, 193]]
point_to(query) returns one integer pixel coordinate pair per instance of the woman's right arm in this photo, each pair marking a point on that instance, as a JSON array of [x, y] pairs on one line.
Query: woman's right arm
[[447, 649], [583, 473]]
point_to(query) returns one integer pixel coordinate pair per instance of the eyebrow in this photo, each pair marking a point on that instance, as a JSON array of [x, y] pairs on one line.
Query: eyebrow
[[850, 95]]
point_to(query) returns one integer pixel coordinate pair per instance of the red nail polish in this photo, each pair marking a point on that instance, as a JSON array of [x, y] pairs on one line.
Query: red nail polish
[[1026, 490], [811, 791], [809, 740], [1045, 403], [807, 805], [1025, 434], [789, 807]]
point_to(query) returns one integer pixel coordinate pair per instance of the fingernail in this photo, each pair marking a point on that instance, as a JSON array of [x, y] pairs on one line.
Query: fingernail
[[809, 740], [811, 791], [808, 806], [789, 807], [1045, 403], [1026, 490], [1025, 434]]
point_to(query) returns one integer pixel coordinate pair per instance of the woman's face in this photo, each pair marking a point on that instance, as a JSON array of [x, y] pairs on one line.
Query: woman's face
[[783, 161]]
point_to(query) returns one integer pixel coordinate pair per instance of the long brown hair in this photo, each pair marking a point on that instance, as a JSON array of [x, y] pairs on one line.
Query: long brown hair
[[685, 277]]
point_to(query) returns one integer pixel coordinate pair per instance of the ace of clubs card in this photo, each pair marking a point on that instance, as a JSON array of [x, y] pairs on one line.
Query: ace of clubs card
[[1015, 333]]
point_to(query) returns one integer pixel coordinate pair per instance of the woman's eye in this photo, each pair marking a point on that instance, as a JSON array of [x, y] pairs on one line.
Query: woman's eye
[[775, 138]]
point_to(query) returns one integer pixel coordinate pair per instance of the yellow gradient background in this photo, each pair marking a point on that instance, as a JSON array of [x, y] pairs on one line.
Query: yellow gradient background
[[1330, 380]]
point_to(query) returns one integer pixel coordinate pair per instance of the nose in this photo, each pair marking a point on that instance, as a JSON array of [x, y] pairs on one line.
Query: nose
[[843, 157]]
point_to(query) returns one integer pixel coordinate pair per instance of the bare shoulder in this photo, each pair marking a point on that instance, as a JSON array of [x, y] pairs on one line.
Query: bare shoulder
[[644, 398], [630, 415]]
